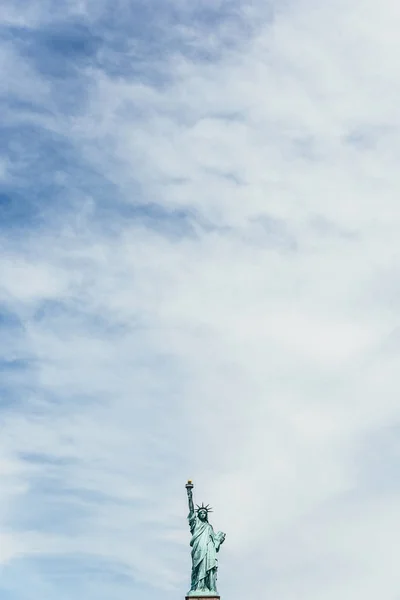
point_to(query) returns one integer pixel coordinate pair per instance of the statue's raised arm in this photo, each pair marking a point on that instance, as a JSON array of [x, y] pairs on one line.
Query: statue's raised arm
[[205, 545], [189, 488]]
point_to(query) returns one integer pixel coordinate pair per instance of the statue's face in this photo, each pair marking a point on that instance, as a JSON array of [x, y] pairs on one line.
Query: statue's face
[[202, 514]]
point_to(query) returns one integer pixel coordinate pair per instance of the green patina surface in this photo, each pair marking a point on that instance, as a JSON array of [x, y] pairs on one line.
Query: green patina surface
[[204, 594], [205, 545]]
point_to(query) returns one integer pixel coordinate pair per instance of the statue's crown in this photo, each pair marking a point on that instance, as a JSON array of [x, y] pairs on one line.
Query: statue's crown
[[207, 508]]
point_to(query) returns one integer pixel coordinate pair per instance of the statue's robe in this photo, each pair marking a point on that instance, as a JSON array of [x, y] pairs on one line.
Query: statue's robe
[[204, 552]]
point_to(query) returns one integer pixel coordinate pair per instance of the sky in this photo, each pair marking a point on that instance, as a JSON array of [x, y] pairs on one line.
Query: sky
[[199, 278]]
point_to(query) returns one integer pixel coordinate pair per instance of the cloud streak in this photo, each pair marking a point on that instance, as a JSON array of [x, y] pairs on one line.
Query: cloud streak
[[198, 267]]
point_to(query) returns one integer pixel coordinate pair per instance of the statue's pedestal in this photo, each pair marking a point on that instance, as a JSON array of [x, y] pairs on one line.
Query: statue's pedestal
[[203, 597]]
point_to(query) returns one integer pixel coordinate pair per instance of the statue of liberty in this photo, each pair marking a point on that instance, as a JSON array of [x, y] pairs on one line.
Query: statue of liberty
[[205, 545]]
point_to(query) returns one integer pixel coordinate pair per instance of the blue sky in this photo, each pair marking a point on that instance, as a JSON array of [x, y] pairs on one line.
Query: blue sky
[[199, 241]]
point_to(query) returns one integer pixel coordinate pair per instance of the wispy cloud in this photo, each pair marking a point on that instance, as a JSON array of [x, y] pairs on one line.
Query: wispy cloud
[[199, 231]]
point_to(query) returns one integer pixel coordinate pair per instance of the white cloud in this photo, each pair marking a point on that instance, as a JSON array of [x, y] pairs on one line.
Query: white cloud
[[252, 356]]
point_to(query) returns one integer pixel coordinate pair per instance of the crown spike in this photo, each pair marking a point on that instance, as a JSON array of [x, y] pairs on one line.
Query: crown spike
[[207, 507]]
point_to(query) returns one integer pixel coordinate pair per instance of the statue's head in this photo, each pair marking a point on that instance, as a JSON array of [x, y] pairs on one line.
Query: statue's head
[[202, 512]]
